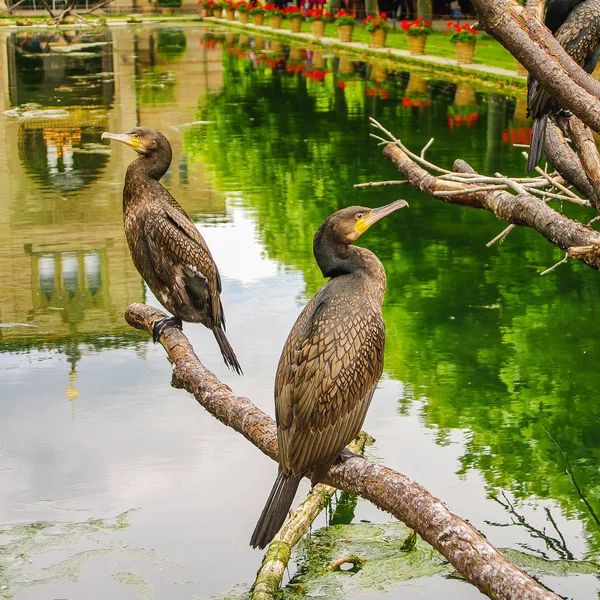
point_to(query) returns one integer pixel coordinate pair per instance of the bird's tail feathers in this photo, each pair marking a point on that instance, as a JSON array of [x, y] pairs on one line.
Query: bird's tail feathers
[[227, 351], [538, 138], [276, 509]]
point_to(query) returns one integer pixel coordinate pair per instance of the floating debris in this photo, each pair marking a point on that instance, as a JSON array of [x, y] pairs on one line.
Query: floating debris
[[11, 325], [27, 112]]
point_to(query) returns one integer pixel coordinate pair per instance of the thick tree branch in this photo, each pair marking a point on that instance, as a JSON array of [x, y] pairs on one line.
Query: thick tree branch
[[583, 139], [567, 163], [532, 44], [525, 210], [470, 553]]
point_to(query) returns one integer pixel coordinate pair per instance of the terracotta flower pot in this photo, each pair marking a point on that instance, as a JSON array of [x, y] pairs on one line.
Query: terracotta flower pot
[[318, 28], [416, 43], [378, 38], [243, 18], [275, 22], [258, 19], [464, 52], [217, 13], [296, 24], [230, 14], [345, 32], [204, 12]]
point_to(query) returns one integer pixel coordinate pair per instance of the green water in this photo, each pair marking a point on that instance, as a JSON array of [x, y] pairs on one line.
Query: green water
[[488, 394]]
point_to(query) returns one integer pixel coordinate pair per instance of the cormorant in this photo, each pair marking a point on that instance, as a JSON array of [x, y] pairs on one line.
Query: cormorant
[[166, 247], [330, 363], [576, 26]]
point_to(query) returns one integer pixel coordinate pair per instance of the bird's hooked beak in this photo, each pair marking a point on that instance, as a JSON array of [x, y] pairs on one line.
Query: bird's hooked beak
[[376, 214], [128, 139]]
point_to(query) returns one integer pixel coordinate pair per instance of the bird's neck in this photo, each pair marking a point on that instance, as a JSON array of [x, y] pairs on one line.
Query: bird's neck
[[152, 166], [336, 258]]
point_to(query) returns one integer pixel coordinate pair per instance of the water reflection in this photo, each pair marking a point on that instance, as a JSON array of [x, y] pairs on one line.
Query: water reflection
[[483, 357]]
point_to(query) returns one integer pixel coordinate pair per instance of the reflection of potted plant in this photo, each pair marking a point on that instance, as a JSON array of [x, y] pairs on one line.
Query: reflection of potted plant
[[345, 21], [378, 27], [171, 43], [463, 111], [416, 34], [167, 6], [317, 18], [258, 14], [275, 15], [294, 16], [463, 37], [242, 7]]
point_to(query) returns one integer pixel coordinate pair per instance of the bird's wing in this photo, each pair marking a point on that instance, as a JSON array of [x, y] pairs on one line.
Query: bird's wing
[[327, 374], [578, 35], [175, 243]]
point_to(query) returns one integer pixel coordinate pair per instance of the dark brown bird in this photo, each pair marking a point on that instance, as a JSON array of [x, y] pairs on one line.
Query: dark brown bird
[[165, 245], [576, 26], [330, 363]]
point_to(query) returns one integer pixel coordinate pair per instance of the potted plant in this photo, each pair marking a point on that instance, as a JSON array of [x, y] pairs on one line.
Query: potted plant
[[258, 14], [242, 7], [317, 18], [463, 37], [217, 9], [294, 16], [378, 27], [345, 22], [230, 10], [275, 15], [416, 34]]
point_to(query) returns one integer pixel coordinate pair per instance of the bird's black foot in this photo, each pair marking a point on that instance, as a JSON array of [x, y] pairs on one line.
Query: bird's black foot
[[161, 325], [347, 455]]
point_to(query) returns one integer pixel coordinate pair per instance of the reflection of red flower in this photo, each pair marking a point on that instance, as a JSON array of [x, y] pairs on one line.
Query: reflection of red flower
[[517, 135], [341, 84], [462, 120], [419, 103], [316, 75]]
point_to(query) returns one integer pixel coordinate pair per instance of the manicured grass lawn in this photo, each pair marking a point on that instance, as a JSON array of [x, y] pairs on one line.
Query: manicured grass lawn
[[488, 51]]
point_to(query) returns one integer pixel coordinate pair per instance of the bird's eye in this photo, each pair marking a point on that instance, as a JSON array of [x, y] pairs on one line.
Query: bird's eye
[[359, 216], [135, 135]]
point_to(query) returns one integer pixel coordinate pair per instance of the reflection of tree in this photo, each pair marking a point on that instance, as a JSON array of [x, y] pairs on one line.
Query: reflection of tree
[[493, 348]]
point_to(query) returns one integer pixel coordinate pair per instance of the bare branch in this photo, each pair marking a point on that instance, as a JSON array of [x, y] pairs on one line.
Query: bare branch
[[587, 151], [470, 553]]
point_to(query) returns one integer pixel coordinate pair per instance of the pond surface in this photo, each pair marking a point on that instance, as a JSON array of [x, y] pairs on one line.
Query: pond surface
[[116, 485]]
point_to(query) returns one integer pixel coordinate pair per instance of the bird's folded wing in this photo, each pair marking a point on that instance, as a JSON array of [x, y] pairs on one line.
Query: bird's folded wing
[[330, 366]]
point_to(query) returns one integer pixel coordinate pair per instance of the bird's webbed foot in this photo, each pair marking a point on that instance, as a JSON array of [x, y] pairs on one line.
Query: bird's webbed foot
[[347, 455], [163, 324]]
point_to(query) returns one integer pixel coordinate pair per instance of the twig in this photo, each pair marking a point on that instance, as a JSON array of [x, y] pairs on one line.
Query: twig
[[270, 574], [393, 139], [344, 560], [500, 237], [425, 148], [380, 183], [560, 262]]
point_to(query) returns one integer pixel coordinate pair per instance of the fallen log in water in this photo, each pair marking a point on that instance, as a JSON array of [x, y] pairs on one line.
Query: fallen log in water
[[458, 541]]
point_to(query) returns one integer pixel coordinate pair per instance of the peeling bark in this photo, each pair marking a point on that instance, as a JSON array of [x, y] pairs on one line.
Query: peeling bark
[[469, 551], [532, 44]]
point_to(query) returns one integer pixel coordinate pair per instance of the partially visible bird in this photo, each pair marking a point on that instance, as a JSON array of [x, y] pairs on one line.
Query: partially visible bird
[[576, 27], [166, 247], [330, 363]]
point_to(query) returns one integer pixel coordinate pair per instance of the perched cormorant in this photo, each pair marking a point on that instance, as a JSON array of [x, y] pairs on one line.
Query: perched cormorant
[[576, 26], [165, 245], [330, 363]]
